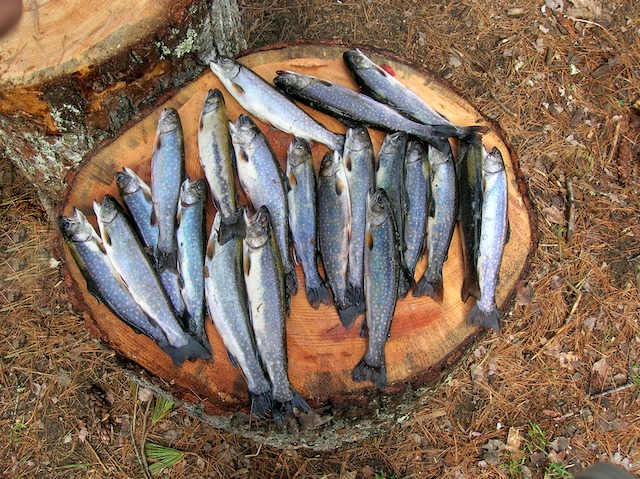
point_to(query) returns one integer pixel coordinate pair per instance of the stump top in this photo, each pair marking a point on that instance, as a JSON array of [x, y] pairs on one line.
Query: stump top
[[424, 337], [58, 37]]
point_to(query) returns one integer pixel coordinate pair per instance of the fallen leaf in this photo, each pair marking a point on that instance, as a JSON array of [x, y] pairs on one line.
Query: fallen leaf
[[553, 215], [601, 367]]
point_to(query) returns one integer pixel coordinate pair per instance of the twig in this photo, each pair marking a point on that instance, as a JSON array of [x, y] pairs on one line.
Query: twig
[[571, 212], [139, 453], [612, 390], [143, 440], [502, 105]]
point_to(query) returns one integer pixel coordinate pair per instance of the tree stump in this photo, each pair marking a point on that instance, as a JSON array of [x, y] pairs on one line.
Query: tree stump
[[73, 73], [425, 337]]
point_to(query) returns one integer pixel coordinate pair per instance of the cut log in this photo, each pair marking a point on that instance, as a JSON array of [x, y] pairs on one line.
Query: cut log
[[425, 337], [73, 73]]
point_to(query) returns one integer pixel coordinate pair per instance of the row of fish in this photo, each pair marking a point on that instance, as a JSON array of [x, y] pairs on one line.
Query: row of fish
[[426, 188], [366, 219]]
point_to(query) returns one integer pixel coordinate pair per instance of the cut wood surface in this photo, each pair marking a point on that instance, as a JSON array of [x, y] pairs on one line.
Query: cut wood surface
[[322, 353], [74, 72]]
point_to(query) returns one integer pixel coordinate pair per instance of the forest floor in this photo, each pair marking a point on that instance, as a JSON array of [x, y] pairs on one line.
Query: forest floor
[[556, 391]]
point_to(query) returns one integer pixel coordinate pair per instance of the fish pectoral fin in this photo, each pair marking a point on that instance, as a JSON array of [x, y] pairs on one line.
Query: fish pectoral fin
[[368, 239], [340, 187], [432, 208], [237, 89], [246, 264], [92, 287], [292, 179]]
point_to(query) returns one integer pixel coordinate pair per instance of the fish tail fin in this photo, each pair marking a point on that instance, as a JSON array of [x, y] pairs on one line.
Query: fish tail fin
[[318, 294], [348, 315], [485, 319], [191, 351], [231, 227], [260, 403], [282, 411], [470, 287], [471, 134], [166, 260], [433, 289], [201, 337], [375, 374], [291, 282], [355, 296]]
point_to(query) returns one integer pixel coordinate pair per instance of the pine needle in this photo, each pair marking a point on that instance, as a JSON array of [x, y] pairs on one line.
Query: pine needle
[[161, 409], [161, 457]]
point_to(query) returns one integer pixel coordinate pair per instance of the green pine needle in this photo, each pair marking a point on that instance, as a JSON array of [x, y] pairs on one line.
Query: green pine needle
[[161, 457], [161, 409]]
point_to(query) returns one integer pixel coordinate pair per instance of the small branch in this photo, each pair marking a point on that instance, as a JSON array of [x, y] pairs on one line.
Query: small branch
[[502, 105], [571, 219], [612, 390]]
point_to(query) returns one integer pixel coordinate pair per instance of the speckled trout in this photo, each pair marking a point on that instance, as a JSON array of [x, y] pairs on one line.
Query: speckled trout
[[382, 268], [217, 158], [494, 233], [264, 280], [167, 172], [440, 223], [302, 218], [334, 217], [268, 104], [263, 181], [354, 108], [384, 87], [190, 237]]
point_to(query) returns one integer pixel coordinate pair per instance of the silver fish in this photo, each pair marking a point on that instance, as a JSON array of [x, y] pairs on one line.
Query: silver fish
[[382, 86], [390, 177], [264, 280], [263, 181], [441, 222], [134, 267], [418, 195], [190, 237], [226, 297], [494, 234], [268, 104], [358, 160], [217, 158], [302, 218], [334, 217], [167, 172], [136, 194], [382, 268], [353, 108]]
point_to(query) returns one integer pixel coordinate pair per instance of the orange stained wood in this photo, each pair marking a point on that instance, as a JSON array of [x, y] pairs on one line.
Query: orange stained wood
[[321, 352]]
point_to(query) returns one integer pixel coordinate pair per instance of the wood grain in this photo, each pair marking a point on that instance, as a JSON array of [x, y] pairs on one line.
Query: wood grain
[[321, 352]]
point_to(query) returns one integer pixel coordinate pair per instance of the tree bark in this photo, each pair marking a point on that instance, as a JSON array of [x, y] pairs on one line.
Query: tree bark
[[74, 73]]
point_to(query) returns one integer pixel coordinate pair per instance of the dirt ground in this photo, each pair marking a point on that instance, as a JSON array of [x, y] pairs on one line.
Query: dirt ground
[[556, 391]]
